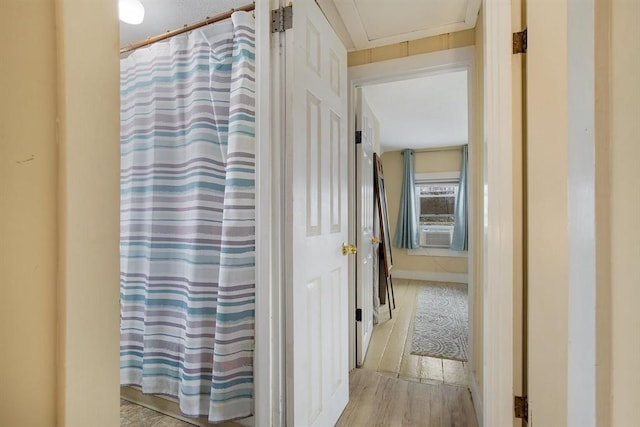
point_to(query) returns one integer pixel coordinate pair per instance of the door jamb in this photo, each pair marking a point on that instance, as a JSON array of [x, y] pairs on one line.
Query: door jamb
[[269, 306], [498, 222]]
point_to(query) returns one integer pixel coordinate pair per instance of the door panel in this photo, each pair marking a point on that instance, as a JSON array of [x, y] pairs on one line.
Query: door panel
[[316, 183], [364, 227]]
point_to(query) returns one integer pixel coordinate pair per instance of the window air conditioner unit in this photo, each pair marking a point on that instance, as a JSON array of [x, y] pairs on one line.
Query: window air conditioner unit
[[436, 236]]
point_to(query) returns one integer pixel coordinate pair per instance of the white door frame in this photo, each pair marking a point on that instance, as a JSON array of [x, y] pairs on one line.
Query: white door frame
[[365, 232], [401, 69], [497, 408], [269, 304], [498, 221]]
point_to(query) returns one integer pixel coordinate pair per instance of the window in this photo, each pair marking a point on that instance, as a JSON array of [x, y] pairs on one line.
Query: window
[[436, 208]]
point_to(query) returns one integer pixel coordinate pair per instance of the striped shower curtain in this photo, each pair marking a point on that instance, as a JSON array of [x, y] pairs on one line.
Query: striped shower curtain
[[188, 219]]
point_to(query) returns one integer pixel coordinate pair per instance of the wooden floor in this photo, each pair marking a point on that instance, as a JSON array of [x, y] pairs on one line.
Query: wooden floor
[[390, 348], [396, 388], [378, 400]]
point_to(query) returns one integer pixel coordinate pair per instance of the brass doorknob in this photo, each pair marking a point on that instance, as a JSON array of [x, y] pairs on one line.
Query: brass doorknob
[[375, 240], [349, 249]]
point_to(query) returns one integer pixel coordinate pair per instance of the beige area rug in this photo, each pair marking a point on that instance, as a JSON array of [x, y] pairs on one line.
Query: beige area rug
[[441, 322]]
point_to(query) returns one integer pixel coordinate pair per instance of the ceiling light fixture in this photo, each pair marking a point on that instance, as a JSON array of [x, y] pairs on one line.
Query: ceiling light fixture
[[131, 11]]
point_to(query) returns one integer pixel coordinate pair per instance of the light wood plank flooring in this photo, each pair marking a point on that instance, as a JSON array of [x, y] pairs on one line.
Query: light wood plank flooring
[[378, 400], [397, 388], [390, 348]]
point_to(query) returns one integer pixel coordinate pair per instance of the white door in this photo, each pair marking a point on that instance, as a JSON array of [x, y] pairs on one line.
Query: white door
[[316, 180], [366, 240]]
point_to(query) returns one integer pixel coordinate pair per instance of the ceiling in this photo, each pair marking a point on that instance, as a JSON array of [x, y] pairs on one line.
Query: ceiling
[[361, 24], [164, 15], [425, 112], [371, 23], [419, 113]]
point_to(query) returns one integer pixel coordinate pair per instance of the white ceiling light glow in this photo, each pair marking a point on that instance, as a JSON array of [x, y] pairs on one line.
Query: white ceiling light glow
[[131, 11]]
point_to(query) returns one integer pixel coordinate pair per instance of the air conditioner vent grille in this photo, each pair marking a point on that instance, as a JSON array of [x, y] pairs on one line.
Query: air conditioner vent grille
[[436, 236]]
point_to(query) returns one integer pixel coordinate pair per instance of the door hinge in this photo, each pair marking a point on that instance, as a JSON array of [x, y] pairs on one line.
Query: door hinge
[[358, 315], [358, 137], [520, 42], [521, 407], [281, 19]]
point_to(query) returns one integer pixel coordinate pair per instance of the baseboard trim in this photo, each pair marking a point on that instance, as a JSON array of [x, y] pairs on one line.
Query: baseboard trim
[[475, 396], [430, 276]]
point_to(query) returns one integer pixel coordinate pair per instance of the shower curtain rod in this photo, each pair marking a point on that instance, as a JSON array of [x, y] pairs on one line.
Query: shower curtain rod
[[187, 28], [444, 148]]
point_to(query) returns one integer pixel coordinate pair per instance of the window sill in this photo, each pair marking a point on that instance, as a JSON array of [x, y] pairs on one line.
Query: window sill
[[437, 252]]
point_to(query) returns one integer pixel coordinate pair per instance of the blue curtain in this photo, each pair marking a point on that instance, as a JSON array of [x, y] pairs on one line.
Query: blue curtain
[[460, 240], [407, 226]]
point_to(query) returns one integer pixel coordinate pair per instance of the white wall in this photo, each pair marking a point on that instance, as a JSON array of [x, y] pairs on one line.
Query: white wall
[[28, 213], [625, 212], [547, 211], [555, 396], [89, 219], [59, 221], [602, 44]]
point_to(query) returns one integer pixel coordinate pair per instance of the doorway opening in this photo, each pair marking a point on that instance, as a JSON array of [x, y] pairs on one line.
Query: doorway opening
[[425, 104]]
